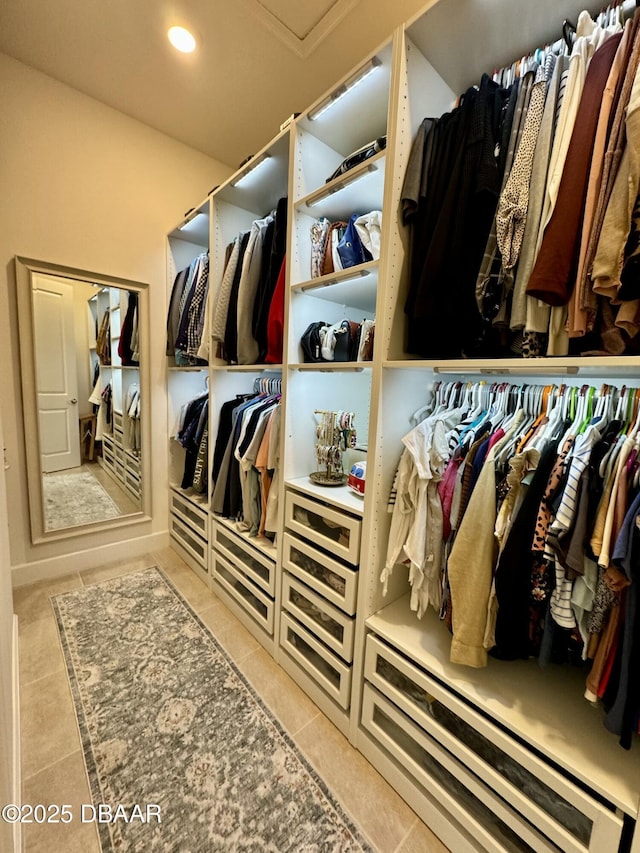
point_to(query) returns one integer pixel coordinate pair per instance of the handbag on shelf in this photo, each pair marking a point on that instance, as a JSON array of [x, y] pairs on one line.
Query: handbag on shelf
[[369, 227], [312, 341], [365, 346], [359, 156], [319, 233], [343, 341], [334, 235], [350, 247]]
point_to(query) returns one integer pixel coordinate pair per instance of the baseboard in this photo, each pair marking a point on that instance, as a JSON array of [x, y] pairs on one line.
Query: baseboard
[[17, 755], [91, 558]]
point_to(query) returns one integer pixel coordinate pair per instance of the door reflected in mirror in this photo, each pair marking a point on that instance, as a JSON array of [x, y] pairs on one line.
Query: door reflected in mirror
[[82, 346]]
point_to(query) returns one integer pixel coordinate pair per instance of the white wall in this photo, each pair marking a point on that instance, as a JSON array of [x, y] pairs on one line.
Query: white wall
[[84, 186], [8, 738]]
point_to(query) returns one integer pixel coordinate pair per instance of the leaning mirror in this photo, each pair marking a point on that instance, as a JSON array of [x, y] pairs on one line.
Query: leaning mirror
[[84, 378]]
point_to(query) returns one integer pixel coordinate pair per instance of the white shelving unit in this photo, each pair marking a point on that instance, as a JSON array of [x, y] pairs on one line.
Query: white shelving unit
[[120, 458], [507, 758], [188, 509]]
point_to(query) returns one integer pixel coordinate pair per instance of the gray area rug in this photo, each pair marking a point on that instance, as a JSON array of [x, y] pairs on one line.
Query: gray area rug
[[77, 498], [166, 718]]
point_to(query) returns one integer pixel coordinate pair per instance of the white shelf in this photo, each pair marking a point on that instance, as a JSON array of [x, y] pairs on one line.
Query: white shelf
[[357, 191], [339, 496], [358, 117], [200, 500], [356, 286], [261, 543], [260, 190], [332, 366], [246, 368], [195, 227], [545, 708], [628, 365]]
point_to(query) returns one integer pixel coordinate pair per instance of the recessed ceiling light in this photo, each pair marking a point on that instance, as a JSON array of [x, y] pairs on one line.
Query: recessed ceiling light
[[182, 39]]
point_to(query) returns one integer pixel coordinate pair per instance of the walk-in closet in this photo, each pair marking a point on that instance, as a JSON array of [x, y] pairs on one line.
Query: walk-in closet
[[390, 407]]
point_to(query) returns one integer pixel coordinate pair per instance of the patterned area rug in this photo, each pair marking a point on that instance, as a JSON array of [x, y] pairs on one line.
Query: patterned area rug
[[166, 718], [78, 498]]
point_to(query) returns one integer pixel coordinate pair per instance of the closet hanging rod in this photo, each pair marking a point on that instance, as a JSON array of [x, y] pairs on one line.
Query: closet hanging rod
[[627, 8]]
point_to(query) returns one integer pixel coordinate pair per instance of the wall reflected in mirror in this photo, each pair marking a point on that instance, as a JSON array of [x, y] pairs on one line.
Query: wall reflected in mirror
[[86, 347]]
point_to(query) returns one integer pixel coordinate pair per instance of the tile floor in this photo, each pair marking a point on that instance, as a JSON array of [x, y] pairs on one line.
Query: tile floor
[[52, 764]]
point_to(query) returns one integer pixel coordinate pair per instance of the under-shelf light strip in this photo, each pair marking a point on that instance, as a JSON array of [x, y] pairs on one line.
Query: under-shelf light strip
[[345, 87], [505, 370], [312, 285], [335, 188], [250, 168]]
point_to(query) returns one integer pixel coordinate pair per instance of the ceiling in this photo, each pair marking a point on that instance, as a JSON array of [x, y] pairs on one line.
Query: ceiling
[[257, 61]]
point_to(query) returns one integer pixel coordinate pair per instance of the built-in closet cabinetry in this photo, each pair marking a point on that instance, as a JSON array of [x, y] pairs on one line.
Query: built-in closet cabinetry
[[120, 458], [506, 758], [243, 566], [511, 757], [323, 524], [188, 509]]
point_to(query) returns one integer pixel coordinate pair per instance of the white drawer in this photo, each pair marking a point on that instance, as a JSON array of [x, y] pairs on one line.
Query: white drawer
[[538, 795], [117, 421], [119, 469], [118, 452], [250, 598], [329, 624], [332, 530], [332, 674], [108, 458], [239, 552], [133, 463], [189, 540], [133, 490], [107, 443], [190, 513], [335, 581]]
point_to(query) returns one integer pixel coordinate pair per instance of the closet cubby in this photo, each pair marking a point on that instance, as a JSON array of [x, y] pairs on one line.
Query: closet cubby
[[188, 509], [120, 452], [242, 562], [510, 757]]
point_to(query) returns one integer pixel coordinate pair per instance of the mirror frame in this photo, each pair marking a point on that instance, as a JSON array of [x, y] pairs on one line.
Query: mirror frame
[[25, 269]]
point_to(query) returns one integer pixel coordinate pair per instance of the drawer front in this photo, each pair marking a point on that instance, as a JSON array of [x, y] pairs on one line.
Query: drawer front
[[334, 581], [133, 463], [117, 421], [119, 454], [254, 564], [254, 601], [537, 793], [195, 516], [334, 531], [108, 458], [487, 818], [323, 666], [189, 540], [325, 621], [119, 469]]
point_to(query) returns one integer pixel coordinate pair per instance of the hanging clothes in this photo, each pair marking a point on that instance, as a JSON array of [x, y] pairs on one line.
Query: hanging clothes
[[495, 506], [186, 313]]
